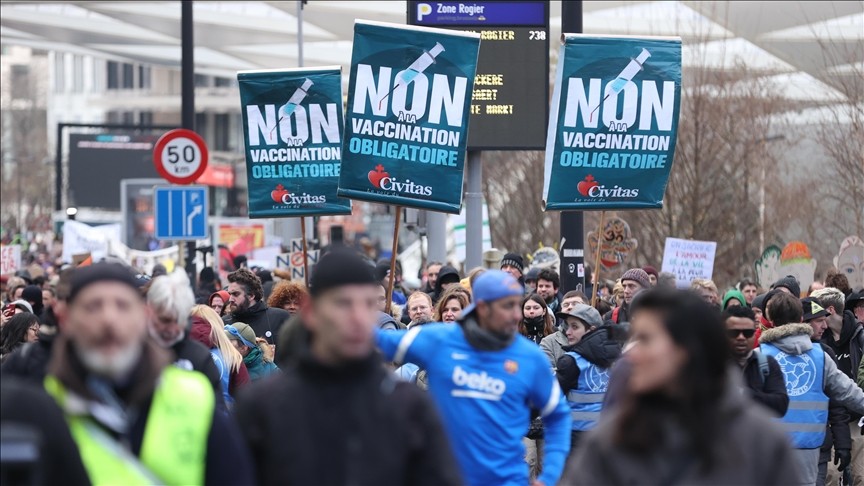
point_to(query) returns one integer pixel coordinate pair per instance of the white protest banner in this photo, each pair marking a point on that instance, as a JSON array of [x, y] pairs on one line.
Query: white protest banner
[[144, 260], [10, 259], [689, 260], [79, 238]]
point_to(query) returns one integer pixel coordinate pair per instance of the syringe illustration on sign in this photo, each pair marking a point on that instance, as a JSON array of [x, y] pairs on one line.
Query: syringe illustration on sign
[[418, 66], [626, 76], [295, 100]]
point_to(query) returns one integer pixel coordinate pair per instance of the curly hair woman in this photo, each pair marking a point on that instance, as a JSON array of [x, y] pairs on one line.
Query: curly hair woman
[[288, 295]]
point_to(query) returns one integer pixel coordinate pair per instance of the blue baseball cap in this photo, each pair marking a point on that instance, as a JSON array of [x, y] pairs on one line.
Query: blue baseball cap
[[492, 285]]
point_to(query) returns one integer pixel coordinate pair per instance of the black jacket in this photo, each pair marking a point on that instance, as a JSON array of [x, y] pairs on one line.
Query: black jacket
[[601, 347], [30, 361], [838, 433], [265, 321], [193, 356], [351, 425], [38, 420], [850, 347], [772, 392], [848, 350]]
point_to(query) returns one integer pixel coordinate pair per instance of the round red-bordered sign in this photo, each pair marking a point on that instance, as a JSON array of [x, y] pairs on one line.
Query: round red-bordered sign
[[180, 156]]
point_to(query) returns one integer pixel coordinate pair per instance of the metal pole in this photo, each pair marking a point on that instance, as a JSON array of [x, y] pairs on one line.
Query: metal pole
[[474, 211], [58, 169], [187, 96], [436, 235], [572, 225], [300, 33]]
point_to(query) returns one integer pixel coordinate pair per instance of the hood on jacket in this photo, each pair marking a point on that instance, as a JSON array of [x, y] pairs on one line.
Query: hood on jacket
[[222, 294], [847, 332], [386, 322], [734, 294], [790, 338], [200, 331], [248, 314], [446, 271], [602, 346]]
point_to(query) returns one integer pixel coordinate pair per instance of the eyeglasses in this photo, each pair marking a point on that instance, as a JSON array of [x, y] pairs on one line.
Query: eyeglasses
[[733, 333], [34, 329]]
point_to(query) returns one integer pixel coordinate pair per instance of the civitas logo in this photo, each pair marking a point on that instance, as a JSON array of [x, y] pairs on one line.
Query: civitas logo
[[593, 189], [283, 196], [380, 179]]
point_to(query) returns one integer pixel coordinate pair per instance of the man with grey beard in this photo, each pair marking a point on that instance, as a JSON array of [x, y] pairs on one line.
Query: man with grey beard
[[134, 418]]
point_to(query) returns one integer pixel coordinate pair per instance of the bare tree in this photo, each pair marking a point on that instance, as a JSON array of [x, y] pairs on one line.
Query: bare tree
[[513, 185]]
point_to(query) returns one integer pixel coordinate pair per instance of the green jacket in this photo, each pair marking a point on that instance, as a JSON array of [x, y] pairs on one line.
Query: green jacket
[[258, 368]]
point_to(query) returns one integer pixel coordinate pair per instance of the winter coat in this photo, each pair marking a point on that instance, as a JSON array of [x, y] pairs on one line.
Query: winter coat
[[861, 374], [30, 361], [553, 346], [750, 448], [618, 315], [265, 321], [838, 435], [239, 378], [850, 347], [375, 429], [794, 339], [770, 391], [258, 367], [386, 322], [598, 347], [25, 404]]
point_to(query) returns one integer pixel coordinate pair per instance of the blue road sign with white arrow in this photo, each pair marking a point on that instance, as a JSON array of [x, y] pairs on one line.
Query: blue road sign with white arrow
[[181, 212]]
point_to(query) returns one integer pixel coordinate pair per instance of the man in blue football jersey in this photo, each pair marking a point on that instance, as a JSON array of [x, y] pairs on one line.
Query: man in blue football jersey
[[485, 379]]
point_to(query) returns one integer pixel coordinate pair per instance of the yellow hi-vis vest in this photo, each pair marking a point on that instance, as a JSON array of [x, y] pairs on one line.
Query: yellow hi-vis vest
[[174, 449]]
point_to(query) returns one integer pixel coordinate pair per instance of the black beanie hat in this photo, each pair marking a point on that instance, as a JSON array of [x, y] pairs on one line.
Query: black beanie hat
[[207, 275], [515, 260], [790, 283], [338, 268], [33, 294], [101, 272]]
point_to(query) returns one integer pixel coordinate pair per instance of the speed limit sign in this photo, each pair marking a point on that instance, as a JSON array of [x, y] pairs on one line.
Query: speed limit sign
[[180, 156]]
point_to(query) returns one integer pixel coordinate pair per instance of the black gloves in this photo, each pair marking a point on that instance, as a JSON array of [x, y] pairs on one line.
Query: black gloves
[[842, 457]]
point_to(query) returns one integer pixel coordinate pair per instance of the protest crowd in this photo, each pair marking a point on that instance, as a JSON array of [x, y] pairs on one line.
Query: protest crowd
[[113, 376], [291, 358]]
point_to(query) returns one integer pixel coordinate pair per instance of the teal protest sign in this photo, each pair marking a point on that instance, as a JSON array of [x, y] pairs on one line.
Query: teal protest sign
[[406, 127], [613, 122], [292, 124]]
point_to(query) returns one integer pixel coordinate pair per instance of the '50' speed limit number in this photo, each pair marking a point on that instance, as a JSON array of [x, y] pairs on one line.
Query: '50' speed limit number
[[180, 156]]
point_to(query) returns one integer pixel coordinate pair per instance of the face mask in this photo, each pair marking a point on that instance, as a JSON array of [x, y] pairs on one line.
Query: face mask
[[535, 325]]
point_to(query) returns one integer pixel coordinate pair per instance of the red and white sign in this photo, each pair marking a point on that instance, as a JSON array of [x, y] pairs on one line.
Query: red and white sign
[[180, 156], [10, 259]]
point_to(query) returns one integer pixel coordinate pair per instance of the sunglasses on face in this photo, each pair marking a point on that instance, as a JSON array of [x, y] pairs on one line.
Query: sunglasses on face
[[733, 333]]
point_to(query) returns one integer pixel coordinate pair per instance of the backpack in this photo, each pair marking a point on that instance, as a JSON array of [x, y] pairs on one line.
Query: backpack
[[763, 365]]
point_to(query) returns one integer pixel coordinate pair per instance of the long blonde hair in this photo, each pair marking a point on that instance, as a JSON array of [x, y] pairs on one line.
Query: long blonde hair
[[232, 357]]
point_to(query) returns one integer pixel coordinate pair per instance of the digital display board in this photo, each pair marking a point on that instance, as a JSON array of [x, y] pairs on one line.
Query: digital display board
[[98, 162], [510, 102]]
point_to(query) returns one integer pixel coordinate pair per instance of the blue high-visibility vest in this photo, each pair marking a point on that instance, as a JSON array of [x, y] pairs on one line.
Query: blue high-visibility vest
[[586, 400], [807, 417]]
